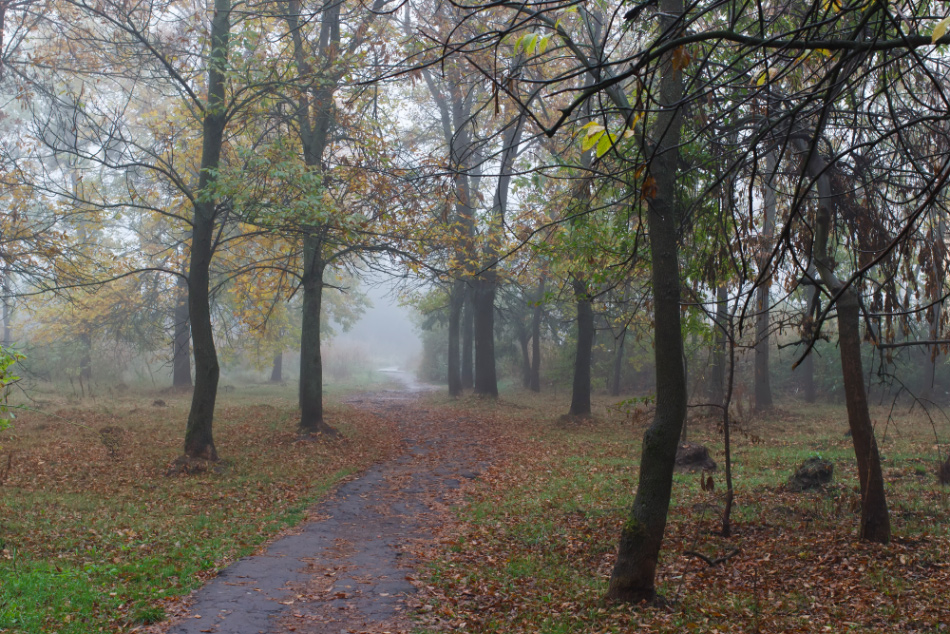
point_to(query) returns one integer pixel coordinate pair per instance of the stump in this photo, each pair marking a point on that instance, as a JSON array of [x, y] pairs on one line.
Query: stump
[[943, 473], [812, 474], [692, 457]]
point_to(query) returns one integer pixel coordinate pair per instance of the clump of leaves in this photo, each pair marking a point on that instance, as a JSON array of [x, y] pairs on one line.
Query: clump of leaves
[[7, 378]]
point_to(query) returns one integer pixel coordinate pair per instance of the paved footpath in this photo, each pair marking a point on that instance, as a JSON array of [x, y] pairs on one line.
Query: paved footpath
[[349, 570]]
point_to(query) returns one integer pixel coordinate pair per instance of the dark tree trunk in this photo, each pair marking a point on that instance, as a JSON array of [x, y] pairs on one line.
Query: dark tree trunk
[[486, 381], [456, 299], [181, 352], [524, 339], [763, 388], [808, 377], [727, 429], [7, 305], [580, 394], [535, 383], [807, 367], [717, 369], [936, 281], [468, 338], [277, 369], [486, 285], [199, 441], [311, 361], [634, 574], [85, 359], [618, 363], [875, 521]]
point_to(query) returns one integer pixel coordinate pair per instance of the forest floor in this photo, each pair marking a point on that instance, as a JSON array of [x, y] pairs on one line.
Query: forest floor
[[435, 515]]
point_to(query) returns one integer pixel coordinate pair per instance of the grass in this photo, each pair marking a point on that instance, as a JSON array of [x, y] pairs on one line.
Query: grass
[[94, 539], [536, 540]]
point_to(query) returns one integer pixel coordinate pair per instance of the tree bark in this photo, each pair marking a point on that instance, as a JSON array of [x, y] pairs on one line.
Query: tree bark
[[468, 338], [936, 282], [618, 363], [875, 522], [486, 379], [807, 366], [524, 343], [456, 298], [717, 370], [763, 388], [486, 280], [85, 359], [277, 369], [311, 359], [535, 383], [7, 300], [634, 574], [181, 352], [580, 393], [199, 440]]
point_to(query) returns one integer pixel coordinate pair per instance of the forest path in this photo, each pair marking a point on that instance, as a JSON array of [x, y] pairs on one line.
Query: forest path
[[349, 570]]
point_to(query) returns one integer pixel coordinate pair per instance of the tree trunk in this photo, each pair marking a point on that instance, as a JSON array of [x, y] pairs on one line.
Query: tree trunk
[[580, 394], [486, 380], [535, 383], [85, 358], [456, 298], [277, 369], [875, 522], [181, 346], [633, 576], [311, 361], [727, 428], [7, 305], [936, 282], [808, 377], [524, 339], [807, 365], [763, 388], [199, 441], [717, 369], [468, 338], [618, 363]]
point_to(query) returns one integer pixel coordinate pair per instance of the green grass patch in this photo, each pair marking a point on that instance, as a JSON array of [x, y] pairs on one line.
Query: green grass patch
[[93, 540]]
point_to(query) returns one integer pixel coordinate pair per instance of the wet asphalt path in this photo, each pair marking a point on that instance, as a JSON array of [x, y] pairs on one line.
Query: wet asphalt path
[[351, 569]]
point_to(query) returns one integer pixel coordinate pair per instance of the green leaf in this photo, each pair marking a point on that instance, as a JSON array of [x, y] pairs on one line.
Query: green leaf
[[591, 139], [518, 44], [606, 142], [940, 30], [529, 41]]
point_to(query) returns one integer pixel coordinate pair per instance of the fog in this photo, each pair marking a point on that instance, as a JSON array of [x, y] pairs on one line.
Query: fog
[[385, 333]]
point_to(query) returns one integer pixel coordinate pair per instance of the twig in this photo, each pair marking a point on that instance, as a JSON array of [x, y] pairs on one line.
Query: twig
[[712, 563]]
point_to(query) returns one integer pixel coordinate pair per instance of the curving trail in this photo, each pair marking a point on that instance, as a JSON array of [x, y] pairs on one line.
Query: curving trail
[[350, 570]]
